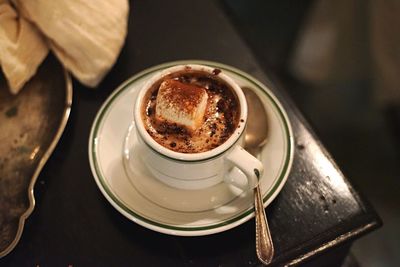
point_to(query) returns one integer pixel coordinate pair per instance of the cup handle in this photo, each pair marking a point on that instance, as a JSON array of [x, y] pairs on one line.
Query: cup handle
[[245, 163]]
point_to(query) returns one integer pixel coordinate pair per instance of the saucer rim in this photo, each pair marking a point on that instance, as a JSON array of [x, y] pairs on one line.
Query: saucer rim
[[180, 230]]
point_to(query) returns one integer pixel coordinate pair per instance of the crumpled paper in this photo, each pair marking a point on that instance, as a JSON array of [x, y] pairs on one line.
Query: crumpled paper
[[85, 35]]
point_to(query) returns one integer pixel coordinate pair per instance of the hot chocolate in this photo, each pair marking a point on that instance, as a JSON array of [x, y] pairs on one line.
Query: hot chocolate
[[190, 111]]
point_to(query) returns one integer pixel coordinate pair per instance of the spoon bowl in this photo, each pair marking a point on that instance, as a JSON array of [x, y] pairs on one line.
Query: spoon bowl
[[257, 127]]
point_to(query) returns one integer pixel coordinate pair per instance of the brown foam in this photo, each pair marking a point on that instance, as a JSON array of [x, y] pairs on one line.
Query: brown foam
[[221, 117]]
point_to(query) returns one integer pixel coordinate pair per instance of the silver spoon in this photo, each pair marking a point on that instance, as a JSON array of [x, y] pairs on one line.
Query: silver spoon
[[256, 137]]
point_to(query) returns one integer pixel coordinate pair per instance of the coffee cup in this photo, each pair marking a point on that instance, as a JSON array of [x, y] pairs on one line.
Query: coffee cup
[[200, 158]]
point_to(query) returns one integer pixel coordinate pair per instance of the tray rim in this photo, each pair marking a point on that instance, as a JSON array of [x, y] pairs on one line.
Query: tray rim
[[64, 119]]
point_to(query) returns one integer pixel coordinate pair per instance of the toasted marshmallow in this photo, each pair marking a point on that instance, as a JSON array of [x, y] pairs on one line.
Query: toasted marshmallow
[[181, 103]]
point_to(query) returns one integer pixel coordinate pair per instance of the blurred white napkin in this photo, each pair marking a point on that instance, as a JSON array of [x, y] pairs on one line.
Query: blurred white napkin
[[85, 35]]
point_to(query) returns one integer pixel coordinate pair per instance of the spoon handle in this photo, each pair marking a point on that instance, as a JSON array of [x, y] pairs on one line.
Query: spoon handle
[[264, 245]]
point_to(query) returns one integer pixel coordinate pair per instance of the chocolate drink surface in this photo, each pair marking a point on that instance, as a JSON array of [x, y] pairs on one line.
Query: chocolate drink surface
[[220, 114]]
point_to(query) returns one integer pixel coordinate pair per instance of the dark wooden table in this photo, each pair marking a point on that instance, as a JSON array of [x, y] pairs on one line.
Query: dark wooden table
[[313, 220]]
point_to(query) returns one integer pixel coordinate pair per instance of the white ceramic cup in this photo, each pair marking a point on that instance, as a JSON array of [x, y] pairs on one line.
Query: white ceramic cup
[[228, 162]]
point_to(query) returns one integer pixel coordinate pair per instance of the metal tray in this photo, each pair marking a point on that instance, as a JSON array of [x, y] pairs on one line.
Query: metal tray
[[31, 123]]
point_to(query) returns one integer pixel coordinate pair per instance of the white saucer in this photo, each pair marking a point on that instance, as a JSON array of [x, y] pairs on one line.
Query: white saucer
[[129, 187]]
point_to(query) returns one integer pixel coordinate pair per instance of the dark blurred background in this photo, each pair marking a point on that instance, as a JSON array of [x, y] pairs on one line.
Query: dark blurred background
[[340, 62]]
